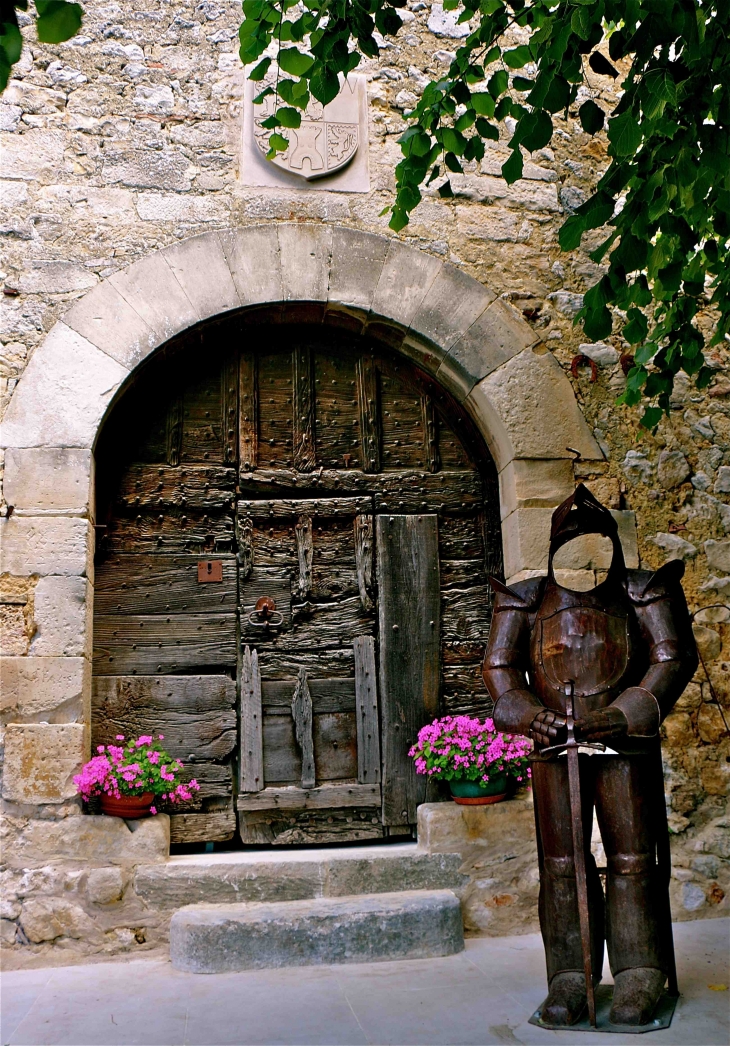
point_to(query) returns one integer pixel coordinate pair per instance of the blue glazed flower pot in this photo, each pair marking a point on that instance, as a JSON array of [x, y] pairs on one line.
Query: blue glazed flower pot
[[479, 793]]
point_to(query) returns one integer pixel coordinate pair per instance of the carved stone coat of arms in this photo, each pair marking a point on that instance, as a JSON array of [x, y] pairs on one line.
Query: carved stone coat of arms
[[326, 140]]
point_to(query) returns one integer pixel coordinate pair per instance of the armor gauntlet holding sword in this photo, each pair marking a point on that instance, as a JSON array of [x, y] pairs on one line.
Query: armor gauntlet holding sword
[[595, 673]]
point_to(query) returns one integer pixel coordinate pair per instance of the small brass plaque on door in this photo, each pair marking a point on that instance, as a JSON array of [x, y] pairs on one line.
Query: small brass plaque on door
[[210, 570]]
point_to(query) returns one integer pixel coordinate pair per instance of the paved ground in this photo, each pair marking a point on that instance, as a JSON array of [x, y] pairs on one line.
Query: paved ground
[[480, 997]]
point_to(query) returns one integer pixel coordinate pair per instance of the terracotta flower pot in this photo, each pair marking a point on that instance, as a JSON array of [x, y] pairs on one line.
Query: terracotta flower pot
[[479, 793], [130, 807]]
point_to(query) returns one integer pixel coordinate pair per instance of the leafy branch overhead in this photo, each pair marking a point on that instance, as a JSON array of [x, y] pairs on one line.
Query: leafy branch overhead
[[664, 200], [57, 20]]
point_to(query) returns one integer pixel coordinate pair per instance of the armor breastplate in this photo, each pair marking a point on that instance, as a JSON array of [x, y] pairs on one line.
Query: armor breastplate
[[582, 641]]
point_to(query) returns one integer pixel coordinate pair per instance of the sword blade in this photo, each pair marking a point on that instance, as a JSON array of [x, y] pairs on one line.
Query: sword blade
[[581, 879]]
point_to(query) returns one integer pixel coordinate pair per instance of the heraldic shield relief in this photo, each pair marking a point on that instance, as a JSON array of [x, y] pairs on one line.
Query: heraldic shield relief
[[327, 138]]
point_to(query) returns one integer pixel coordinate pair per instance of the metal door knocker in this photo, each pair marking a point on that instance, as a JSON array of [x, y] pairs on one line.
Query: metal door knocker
[[263, 614]]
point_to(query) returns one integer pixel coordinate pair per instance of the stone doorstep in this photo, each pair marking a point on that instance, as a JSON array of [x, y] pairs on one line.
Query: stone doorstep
[[270, 875], [220, 938]]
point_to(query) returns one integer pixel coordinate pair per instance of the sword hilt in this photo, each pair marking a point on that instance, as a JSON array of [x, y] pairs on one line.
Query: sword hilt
[[571, 741]]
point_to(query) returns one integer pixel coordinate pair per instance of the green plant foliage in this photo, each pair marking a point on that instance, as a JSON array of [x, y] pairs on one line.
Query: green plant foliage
[[664, 199], [57, 21]]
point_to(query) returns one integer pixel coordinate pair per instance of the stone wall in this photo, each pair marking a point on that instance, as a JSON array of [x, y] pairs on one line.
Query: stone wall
[[126, 140]]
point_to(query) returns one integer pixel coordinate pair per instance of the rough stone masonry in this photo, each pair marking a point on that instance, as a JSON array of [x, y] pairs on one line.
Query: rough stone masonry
[[127, 139]]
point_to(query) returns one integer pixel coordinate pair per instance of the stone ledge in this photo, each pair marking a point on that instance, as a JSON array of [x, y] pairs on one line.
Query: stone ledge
[[86, 840], [41, 759]]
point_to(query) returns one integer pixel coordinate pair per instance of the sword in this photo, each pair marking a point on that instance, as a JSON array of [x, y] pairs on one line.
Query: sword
[[571, 747]]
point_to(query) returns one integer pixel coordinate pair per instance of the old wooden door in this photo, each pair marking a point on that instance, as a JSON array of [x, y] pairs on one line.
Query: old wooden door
[[295, 531]]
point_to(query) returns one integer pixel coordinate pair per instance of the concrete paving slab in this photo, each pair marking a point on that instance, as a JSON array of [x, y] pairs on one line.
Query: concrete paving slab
[[480, 997]]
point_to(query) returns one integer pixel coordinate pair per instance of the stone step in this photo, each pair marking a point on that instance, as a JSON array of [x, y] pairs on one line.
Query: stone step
[[229, 878], [376, 927]]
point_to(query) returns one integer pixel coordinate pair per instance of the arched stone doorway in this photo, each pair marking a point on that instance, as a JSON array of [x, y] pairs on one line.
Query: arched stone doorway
[[319, 469], [449, 326]]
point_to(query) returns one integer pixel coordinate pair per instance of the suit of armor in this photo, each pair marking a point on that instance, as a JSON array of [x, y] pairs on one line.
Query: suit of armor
[[624, 651]]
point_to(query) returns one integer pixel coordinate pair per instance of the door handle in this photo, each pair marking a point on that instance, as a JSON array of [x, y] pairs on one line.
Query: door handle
[[263, 614]]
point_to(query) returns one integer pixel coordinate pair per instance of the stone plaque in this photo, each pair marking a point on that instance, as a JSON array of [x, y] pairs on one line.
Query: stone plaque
[[329, 150]]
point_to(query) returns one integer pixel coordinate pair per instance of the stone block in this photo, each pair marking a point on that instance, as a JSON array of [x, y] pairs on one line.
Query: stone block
[[448, 828], [147, 169], [529, 406], [405, 280], [107, 320], [305, 252], [150, 287], [718, 554], [46, 918], [229, 879], [172, 207], [63, 393], [496, 336], [55, 277], [253, 259], [63, 617], [416, 924], [357, 262], [51, 688], [41, 479], [90, 840], [105, 885], [387, 873], [41, 760], [453, 306], [525, 538], [201, 269], [45, 545], [535, 484]]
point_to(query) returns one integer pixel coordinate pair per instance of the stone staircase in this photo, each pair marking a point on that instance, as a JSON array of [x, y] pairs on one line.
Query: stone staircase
[[245, 910]]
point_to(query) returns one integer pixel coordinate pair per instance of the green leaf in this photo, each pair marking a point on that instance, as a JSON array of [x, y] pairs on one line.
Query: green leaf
[[293, 61], [557, 96], [522, 84], [57, 20], [512, 168], [482, 103], [498, 83], [536, 130], [571, 232], [445, 190], [624, 134], [11, 42], [592, 117], [289, 117], [581, 22], [487, 130], [325, 86], [260, 71], [277, 143], [518, 57], [399, 219], [637, 328], [598, 324], [452, 141], [651, 417]]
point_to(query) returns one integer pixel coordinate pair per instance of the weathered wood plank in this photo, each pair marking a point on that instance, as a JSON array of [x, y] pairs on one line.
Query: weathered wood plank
[[409, 615], [252, 743], [275, 410], [244, 538], [451, 450], [462, 573], [155, 584], [320, 798], [368, 725], [364, 541], [305, 552], [334, 744], [461, 537], [217, 826], [196, 714], [301, 710], [328, 695], [174, 430], [282, 755], [203, 436], [284, 664], [431, 433], [144, 644], [337, 433], [369, 413], [303, 408], [318, 827], [323, 624], [169, 531], [188, 487], [215, 786], [403, 436], [248, 433], [229, 409], [278, 508], [455, 490], [466, 613]]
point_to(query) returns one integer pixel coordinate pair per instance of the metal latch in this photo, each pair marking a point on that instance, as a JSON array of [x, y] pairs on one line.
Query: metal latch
[[262, 616], [210, 570]]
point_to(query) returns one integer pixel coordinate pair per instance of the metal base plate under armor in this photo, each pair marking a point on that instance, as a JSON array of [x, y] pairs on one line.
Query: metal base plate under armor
[[660, 1020]]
